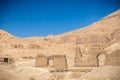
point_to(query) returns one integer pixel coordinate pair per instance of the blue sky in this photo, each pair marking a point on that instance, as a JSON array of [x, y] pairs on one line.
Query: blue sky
[[27, 18]]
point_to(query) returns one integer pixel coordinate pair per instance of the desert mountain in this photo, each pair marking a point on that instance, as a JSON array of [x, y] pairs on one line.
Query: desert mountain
[[101, 34]]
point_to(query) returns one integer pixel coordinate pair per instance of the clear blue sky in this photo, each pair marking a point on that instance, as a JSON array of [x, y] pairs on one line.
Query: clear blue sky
[[26, 18]]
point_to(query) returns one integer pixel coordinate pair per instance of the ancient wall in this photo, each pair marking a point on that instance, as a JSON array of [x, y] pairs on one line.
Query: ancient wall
[[88, 58], [86, 61], [59, 61], [78, 57], [41, 61], [97, 59], [89, 47], [113, 59]]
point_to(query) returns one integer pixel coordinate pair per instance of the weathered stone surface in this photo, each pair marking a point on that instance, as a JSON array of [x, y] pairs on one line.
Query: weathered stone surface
[[58, 61], [113, 59], [41, 61]]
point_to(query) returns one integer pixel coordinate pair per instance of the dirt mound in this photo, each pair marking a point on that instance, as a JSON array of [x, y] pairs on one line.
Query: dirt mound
[[103, 73]]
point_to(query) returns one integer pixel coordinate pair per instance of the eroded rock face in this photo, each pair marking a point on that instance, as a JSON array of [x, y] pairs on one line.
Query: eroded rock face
[[116, 34], [94, 38]]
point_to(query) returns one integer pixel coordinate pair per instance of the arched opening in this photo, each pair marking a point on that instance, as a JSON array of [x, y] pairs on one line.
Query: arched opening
[[101, 59], [50, 62]]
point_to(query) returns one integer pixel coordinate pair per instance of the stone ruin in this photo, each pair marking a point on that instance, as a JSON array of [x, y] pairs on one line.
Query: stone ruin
[[97, 58], [53, 61], [41, 61], [95, 55], [6, 60]]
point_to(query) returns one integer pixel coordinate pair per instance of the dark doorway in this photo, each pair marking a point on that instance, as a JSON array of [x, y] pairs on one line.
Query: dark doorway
[[6, 60]]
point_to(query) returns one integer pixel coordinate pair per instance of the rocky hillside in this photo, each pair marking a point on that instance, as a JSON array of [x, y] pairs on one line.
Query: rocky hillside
[[102, 34]]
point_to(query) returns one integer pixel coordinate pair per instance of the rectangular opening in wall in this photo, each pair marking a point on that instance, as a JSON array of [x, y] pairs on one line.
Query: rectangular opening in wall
[[6, 60]]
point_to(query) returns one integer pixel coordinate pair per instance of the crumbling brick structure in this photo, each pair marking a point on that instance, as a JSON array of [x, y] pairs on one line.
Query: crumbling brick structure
[[59, 61], [41, 61], [96, 59], [89, 59], [90, 50]]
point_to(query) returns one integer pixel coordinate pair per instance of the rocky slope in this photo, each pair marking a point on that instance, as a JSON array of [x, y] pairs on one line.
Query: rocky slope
[[101, 34]]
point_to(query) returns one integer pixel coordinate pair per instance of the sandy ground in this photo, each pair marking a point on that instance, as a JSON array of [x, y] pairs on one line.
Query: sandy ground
[[25, 70]]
